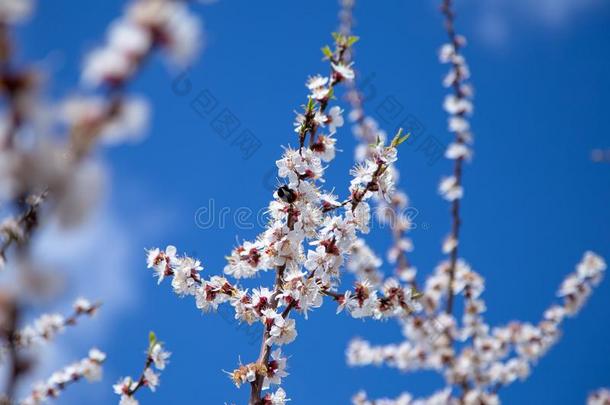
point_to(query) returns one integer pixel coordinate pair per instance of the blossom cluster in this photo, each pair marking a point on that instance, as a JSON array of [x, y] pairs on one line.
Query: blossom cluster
[[363, 261], [459, 106], [272, 372], [47, 169], [146, 24], [47, 173], [47, 326], [301, 214], [489, 358], [89, 368], [438, 398], [42, 330], [472, 356], [156, 356], [391, 211]]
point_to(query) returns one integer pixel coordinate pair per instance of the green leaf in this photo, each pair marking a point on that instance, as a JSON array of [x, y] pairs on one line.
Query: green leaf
[[152, 339], [310, 104], [377, 142], [399, 138], [328, 53], [352, 39]]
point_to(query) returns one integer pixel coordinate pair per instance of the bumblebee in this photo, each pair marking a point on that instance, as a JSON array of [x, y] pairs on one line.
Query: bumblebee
[[286, 194]]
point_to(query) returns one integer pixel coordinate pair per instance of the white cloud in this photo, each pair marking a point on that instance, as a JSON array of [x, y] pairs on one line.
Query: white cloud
[[497, 18], [555, 12], [493, 29], [98, 260]]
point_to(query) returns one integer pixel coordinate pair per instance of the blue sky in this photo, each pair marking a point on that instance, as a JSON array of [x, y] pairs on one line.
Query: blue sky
[[534, 201]]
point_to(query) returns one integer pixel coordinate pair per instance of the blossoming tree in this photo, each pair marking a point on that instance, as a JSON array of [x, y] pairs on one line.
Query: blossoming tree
[[313, 237], [475, 359], [301, 212], [47, 173]]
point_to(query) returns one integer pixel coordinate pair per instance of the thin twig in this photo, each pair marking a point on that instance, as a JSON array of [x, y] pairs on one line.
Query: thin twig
[[456, 221]]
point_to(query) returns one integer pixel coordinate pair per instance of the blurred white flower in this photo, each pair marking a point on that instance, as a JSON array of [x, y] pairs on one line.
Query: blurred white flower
[[13, 11]]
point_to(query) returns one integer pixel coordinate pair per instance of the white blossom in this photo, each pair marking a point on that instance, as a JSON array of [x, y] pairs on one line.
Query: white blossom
[[450, 189], [151, 378], [14, 11], [107, 65], [276, 369], [276, 398], [159, 356], [89, 368], [599, 397], [130, 39], [282, 331], [344, 71], [334, 119]]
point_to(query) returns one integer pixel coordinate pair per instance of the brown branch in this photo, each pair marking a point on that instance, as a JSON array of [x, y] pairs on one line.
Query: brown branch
[[397, 237], [308, 127], [70, 320], [359, 195], [27, 220], [446, 10], [17, 365], [256, 386], [82, 138], [142, 380], [14, 83], [334, 80], [334, 295], [356, 100]]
